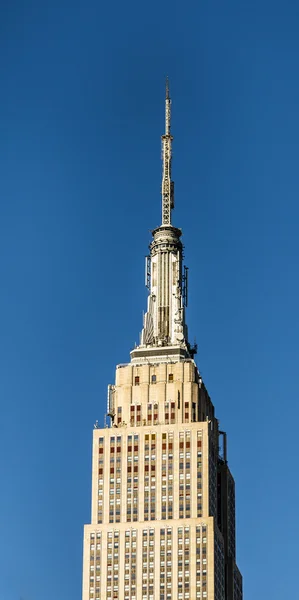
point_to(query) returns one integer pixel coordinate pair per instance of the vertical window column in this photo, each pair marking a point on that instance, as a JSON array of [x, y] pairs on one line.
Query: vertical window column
[[185, 475], [138, 415], [212, 479], [151, 564], [146, 476], [181, 476], [109, 582], [135, 477], [129, 477], [117, 495], [183, 563], [167, 476], [199, 473], [169, 564], [101, 480], [204, 562], [98, 564], [164, 489], [172, 412], [130, 564], [162, 565], [132, 415], [188, 474], [132, 478], [170, 475], [180, 563], [127, 565], [153, 478], [95, 566], [112, 481], [133, 564], [149, 477], [166, 413], [186, 414], [198, 562], [145, 561], [187, 562], [116, 565], [119, 415]]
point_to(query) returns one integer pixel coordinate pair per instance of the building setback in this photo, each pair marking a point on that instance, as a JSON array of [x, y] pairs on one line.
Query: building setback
[[163, 498]]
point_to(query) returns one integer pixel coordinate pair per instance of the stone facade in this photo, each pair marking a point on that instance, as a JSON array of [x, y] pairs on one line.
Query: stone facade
[[153, 498], [163, 499]]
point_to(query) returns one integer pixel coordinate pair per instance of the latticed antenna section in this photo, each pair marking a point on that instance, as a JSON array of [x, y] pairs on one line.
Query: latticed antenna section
[[167, 184]]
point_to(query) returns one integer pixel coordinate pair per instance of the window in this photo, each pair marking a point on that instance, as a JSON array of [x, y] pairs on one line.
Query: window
[[137, 380], [170, 377], [154, 378]]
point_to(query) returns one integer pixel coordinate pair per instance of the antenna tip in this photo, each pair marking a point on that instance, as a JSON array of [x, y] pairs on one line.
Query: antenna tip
[[167, 88]]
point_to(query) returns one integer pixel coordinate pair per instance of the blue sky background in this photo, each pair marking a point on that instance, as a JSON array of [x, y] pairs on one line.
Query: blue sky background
[[81, 114]]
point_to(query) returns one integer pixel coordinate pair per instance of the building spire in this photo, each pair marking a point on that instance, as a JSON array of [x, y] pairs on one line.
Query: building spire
[[164, 324], [167, 184]]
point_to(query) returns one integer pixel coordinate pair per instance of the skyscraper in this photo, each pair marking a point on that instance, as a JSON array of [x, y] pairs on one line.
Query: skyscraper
[[163, 498]]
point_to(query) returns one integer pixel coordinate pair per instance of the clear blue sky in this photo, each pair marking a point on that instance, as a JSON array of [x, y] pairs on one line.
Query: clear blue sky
[[81, 114]]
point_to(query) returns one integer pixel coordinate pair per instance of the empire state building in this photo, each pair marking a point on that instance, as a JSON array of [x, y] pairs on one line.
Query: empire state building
[[163, 497]]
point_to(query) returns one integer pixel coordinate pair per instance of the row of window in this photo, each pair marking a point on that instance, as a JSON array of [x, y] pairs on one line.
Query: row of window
[[148, 549], [151, 414], [167, 471], [153, 379]]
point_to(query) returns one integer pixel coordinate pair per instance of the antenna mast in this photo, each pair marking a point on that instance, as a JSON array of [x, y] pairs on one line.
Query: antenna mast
[[167, 184]]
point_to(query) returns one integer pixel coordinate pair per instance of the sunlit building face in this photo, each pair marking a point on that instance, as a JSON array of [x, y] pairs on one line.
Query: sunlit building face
[[163, 501]]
